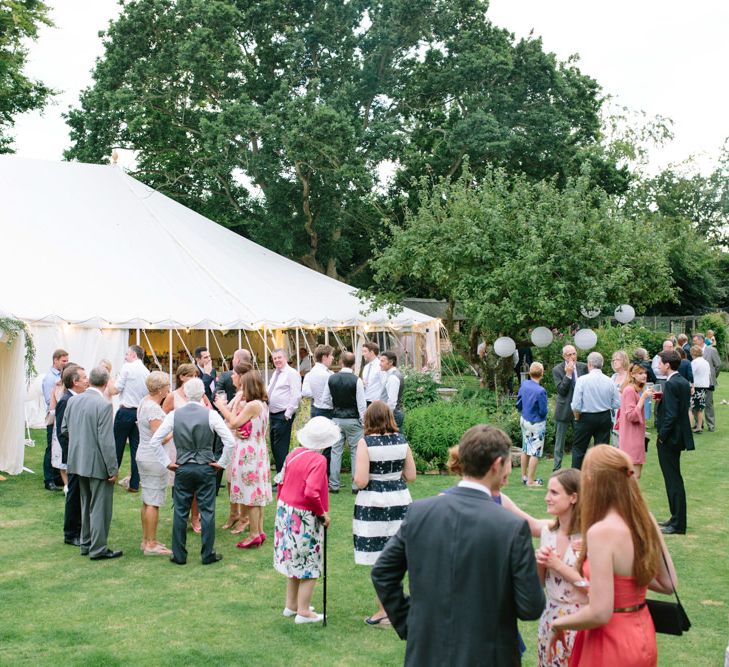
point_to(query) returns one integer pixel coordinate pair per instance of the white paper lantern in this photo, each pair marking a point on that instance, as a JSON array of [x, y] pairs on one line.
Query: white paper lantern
[[585, 339], [541, 337], [590, 312], [504, 346], [624, 313]]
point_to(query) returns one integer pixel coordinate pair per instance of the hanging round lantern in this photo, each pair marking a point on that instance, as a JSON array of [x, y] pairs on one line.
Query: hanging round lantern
[[585, 339], [541, 337], [504, 346], [590, 312], [624, 313]]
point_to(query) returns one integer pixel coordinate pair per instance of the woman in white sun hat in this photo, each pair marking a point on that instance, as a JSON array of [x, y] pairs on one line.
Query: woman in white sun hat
[[302, 515]]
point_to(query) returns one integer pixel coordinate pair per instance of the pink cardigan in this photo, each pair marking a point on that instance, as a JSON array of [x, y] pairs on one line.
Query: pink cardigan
[[305, 485]]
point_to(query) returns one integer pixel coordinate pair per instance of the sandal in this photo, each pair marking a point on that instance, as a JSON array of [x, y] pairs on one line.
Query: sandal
[[382, 622], [240, 526], [232, 520], [535, 483], [158, 550]]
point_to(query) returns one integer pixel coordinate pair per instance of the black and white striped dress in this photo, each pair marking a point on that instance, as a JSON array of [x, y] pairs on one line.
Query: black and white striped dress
[[380, 507]]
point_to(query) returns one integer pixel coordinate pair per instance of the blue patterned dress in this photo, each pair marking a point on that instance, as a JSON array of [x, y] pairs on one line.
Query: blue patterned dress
[[381, 506]]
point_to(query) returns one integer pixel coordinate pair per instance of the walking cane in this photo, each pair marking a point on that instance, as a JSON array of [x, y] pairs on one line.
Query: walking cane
[[324, 583]]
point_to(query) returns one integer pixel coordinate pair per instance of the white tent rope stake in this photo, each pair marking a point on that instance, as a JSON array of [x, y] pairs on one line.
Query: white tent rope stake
[[189, 355], [151, 349], [220, 350]]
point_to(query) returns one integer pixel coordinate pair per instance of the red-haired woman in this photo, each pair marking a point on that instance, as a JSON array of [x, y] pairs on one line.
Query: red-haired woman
[[621, 558]]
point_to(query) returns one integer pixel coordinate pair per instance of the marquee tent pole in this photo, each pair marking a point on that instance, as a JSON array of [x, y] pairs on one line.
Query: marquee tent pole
[[171, 374], [298, 362]]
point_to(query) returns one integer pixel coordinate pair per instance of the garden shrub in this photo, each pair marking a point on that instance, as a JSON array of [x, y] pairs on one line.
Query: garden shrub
[[420, 388], [432, 429]]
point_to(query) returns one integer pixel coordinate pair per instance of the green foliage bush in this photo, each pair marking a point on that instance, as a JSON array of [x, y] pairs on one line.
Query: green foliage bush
[[420, 388], [717, 323], [433, 428]]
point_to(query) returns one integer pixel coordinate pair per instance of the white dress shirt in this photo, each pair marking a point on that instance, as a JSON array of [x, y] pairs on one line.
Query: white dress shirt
[[656, 368], [391, 389], [595, 392], [466, 484], [326, 396], [314, 382], [216, 424], [284, 391], [131, 384], [372, 378]]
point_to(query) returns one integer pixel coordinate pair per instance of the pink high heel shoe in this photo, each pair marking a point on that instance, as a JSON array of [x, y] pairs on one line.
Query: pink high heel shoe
[[251, 542]]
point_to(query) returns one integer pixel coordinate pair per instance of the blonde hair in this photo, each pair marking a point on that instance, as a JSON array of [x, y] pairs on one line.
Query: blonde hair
[[536, 370], [106, 364], [157, 380], [624, 359]]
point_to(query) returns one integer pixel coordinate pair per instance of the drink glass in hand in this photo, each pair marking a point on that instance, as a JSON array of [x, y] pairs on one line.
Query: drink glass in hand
[[658, 391]]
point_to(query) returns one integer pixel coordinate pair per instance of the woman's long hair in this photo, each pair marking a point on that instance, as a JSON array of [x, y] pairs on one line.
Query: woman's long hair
[[379, 420], [252, 386], [608, 482], [569, 480], [185, 369], [630, 378]]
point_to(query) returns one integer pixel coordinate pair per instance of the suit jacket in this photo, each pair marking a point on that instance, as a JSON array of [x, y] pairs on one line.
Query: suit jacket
[[88, 422], [225, 383], [472, 574], [672, 414], [207, 380], [565, 390], [711, 354], [62, 437]]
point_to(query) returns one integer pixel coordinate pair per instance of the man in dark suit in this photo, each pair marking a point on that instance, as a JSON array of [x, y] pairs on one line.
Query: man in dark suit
[[76, 382], [208, 374], [225, 381], [565, 377], [674, 435], [471, 567], [88, 422]]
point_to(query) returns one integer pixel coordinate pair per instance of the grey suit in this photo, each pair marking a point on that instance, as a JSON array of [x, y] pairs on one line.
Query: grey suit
[[563, 416], [472, 574], [88, 422], [711, 354]]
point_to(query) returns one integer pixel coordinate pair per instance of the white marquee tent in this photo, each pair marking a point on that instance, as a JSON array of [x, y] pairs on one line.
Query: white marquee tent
[[93, 256]]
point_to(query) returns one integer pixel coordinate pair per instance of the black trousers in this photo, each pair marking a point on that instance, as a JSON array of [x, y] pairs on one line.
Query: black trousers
[[125, 428], [399, 417], [72, 511], [324, 412], [669, 458], [50, 474], [280, 437], [193, 479], [595, 425]]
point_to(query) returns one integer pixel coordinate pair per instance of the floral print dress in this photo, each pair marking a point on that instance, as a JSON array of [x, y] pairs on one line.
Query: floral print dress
[[560, 602], [250, 470]]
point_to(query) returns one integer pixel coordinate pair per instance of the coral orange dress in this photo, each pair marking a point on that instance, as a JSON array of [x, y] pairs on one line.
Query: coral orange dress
[[628, 639]]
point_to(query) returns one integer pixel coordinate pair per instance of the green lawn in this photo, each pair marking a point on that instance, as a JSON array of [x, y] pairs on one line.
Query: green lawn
[[59, 608]]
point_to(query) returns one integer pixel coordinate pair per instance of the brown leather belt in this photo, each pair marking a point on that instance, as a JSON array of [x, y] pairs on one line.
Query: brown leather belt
[[626, 610]]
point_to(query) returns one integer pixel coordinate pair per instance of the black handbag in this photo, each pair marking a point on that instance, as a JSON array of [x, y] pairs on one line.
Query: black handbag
[[669, 618]]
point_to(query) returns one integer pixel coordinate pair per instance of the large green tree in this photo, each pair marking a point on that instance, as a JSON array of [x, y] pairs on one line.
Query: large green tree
[[517, 254], [19, 23], [275, 117]]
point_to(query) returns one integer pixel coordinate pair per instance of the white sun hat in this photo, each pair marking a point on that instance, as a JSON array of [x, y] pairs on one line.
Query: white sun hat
[[319, 433]]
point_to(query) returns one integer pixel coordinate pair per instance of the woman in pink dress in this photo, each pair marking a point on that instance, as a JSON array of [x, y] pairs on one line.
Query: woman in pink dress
[[631, 420], [621, 558], [250, 469]]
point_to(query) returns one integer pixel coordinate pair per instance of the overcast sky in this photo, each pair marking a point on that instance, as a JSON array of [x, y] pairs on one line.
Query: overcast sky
[[667, 58]]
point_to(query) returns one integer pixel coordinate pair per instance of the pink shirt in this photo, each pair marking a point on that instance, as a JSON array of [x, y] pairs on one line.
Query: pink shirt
[[305, 485]]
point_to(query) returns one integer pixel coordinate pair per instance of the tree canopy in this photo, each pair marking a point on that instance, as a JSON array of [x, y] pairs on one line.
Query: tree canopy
[[276, 118], [19, 22], [518, 254]]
